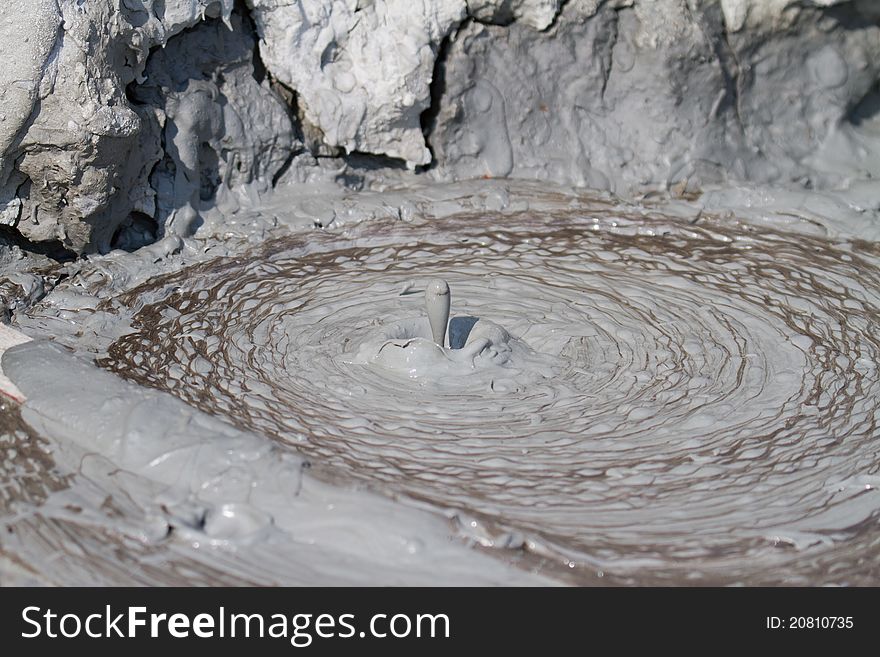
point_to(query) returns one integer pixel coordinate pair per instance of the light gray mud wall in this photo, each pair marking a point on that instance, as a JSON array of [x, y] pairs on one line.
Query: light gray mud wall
[[647, 94], [77, 152], [123, 121], [219, 125]]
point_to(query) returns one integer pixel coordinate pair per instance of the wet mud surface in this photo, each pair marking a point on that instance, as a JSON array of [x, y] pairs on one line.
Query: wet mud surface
[[703, 408]]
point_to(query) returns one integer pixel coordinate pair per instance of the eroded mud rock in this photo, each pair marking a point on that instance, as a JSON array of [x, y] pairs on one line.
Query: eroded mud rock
[[616, 94], [219, 126], [651, 94]]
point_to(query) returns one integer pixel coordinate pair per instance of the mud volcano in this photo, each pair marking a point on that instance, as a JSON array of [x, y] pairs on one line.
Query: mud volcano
[[694, 398], [657, 222]]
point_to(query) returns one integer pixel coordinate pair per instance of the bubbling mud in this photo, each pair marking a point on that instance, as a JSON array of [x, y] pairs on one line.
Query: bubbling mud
[[676, 401]]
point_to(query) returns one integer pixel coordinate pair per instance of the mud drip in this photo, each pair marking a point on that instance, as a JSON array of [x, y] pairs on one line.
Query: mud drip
[[693, 401]]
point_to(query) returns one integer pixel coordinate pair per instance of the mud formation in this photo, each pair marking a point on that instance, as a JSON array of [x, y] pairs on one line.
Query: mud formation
[[101, 148], [658, 220]]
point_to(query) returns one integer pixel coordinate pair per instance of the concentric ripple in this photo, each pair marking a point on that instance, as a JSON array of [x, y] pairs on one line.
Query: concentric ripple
[[711, 409]]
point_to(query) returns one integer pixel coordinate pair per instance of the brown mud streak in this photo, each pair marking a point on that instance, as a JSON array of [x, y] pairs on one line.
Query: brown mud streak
[[28, 476]]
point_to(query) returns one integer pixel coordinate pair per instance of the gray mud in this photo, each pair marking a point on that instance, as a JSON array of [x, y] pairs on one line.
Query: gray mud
[[710, 412], [219, 203]]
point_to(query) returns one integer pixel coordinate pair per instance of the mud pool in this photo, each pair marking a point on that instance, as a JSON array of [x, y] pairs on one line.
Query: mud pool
[[658, 220], [698, 401]]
